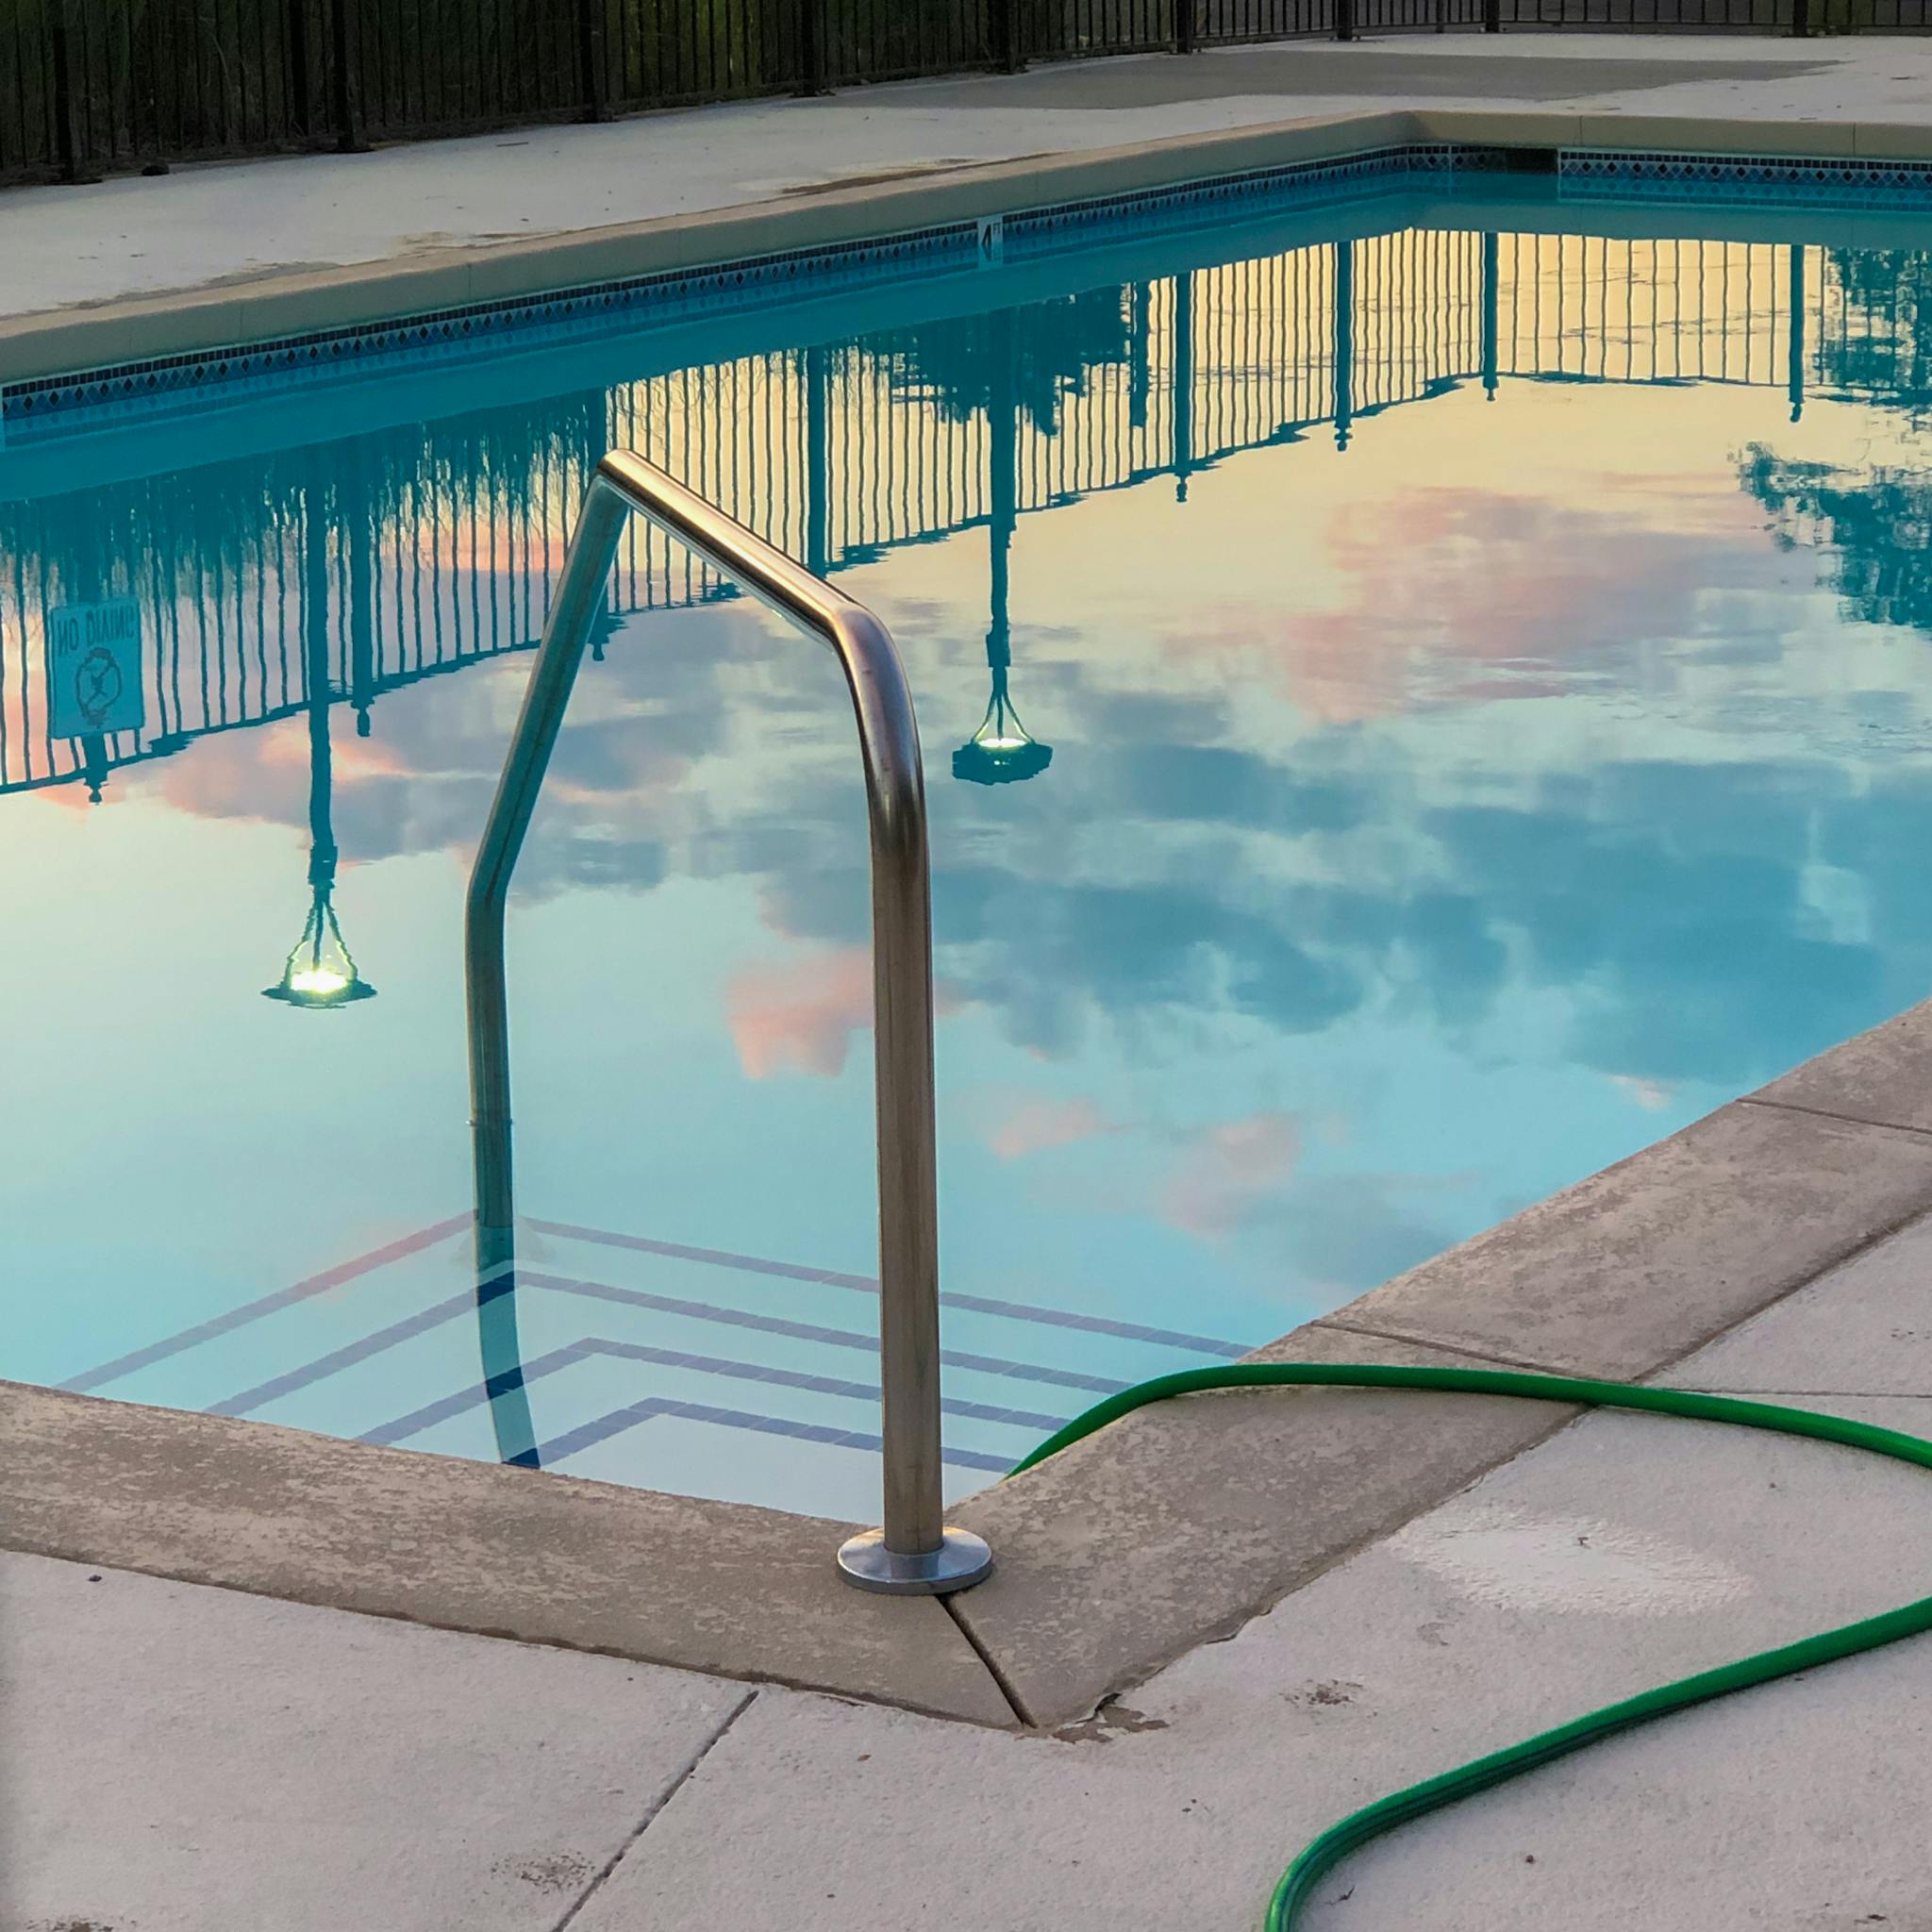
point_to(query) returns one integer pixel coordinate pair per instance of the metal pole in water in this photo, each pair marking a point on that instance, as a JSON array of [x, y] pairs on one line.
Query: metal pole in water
[[818, 437], [1344, 342], [1181, 396], [1795, 302], [1489, 316]]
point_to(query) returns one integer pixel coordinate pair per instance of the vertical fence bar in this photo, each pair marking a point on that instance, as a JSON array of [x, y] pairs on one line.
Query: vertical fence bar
[[1489, 350], [1008, 43], [818, 439], [811, 47], [591, 60], [1794, 296], [156, 163], [67, 147], [345, 44], [301, 71], [1181, 399], [1343, 355]]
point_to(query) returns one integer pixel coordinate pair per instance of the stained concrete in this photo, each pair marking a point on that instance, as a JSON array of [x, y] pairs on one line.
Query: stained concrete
[[183, 1758], [1185, 1519]]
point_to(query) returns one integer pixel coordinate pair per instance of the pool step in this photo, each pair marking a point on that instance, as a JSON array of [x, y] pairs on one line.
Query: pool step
[[641, 1361]]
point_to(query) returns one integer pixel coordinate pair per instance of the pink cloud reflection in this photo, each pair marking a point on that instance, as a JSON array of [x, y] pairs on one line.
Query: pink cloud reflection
[[1230, 1169], [798, 1016], [1429, 587], [1036, 1125]]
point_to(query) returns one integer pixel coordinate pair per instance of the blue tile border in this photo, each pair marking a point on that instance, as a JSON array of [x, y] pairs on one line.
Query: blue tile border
[[122, 388], [1039, 228], [129, 391], [167, 384], [1867, 181]]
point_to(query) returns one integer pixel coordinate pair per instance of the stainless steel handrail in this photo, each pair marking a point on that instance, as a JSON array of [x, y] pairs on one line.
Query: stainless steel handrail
[[915, 1552]]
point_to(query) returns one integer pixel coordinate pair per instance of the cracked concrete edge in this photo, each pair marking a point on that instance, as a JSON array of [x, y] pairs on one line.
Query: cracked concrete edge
[[1172, 1528], [239, 310]]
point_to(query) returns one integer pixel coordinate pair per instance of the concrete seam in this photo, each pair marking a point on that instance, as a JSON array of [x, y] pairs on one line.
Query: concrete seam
[[1864, 1243], [1475, 1355], [1826, 1113], [671, 1791], [1008, 1689], [1862, 1246]]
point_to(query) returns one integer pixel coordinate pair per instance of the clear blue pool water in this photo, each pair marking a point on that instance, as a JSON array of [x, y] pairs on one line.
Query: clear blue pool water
[[1477, 645]]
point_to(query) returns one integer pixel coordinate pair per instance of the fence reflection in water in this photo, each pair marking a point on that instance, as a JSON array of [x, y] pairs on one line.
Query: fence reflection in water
[[420, 550]]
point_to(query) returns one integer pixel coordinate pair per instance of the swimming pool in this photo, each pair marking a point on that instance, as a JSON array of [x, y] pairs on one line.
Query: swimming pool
[[1421, 698]]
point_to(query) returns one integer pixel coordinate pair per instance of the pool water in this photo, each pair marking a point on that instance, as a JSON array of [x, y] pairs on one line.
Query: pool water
[[1421, 698]]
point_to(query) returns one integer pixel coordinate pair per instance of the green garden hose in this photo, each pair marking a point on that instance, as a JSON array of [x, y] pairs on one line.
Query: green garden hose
[[1323, 1853]]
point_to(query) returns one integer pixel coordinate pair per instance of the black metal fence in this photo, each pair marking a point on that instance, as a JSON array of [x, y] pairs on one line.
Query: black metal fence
[[87, 85]]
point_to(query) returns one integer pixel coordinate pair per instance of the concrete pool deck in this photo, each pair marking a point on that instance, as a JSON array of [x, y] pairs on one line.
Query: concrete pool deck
[[323, 1765], [236, 221], [216, 254]]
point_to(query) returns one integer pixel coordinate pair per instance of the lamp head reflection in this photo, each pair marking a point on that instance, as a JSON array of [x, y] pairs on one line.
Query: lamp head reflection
[[319, 971], [1002, 751]]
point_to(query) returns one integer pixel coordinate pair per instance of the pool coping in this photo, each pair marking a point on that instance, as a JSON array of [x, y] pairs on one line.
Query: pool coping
[[1179, 1523], [236, 313], [1174, 1527]]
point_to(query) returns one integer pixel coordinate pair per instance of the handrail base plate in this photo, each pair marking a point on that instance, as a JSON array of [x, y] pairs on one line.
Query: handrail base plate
[[960, 1561]]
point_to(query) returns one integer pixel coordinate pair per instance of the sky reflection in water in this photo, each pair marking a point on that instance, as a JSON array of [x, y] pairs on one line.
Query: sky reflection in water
[[1454, 784]]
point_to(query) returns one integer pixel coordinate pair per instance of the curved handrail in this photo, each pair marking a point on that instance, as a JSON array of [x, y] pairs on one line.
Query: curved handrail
[[915, 1551]]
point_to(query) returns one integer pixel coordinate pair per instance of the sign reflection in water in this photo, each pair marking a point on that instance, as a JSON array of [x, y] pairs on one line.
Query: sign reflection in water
[[1430, 821]]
